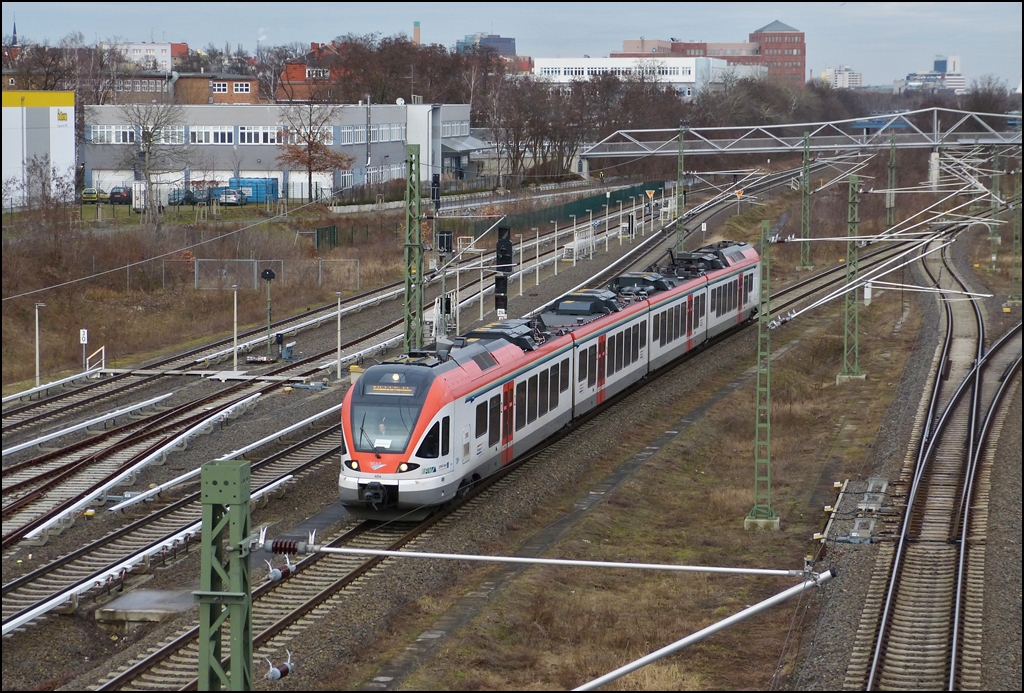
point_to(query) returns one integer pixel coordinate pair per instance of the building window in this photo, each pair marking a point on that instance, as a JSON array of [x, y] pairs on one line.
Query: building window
[[110, 134], [248, 134], [172, 134], [385, 132], [446, 129], [211, 134], [317, 73], [241, 87], [374, 133], [347, 134], [219, 87], [360, 134]]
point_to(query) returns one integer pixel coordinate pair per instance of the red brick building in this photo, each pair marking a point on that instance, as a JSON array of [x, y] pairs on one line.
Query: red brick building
[[312, 74], [216, 87], [779, 47]]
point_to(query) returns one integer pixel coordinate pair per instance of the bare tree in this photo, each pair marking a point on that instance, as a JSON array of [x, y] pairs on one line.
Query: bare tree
[[155, 144], [308, 139]]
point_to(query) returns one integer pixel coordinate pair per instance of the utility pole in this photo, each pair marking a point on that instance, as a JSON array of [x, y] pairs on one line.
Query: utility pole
[[890, 196], [993, 231], [805, 207], [762, 515], [413, 253], [851, 334], [225, 493], [1014, 298], [684, 127]]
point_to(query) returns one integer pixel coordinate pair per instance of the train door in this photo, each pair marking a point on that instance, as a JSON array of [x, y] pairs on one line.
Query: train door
[[691, 322], [508, 396], [467, 440], [739, 298], [602, 357]]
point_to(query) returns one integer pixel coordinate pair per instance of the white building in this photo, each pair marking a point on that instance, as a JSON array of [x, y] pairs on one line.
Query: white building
[[216, 142], [149, 56], [842, 77], [686, 75], [38, 127]]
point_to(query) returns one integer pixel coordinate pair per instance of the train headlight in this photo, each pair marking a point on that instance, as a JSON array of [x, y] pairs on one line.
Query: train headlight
[[403, 467], [353, 465]]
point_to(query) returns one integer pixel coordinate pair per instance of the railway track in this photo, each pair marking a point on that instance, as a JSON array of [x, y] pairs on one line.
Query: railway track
[[159, 528], [921, 623]]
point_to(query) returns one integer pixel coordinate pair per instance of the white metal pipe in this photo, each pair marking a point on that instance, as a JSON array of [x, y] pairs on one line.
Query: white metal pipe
[[84, 424], [55, 383], [234, 337], [536, 258], [814, 581], [557, 561], [338, 293]]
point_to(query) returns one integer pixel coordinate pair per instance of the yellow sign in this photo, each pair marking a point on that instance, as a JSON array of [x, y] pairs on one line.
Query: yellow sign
[[650, 194], [739, 193], [61, 115]]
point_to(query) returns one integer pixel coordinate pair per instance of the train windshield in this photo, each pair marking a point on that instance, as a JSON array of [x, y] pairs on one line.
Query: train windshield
[[385, 407]]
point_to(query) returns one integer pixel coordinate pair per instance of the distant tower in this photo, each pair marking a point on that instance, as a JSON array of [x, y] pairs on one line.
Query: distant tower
[[14, 38], [416, 33]]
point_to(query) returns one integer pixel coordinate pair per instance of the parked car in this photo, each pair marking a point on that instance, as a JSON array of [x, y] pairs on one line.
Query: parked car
[[232, 197], [94, 196], [120, 196], [181, 197]]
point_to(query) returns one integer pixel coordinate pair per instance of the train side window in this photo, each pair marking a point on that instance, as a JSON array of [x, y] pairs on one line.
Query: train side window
[[619, 351], [542, 393], [531, 400], [714, 292], [655, 332], [481, 418], [703, 305], [583, 365], [520, 405], [732, 295], [635, 351], [494, 431], [553, 393], [688, 319], [446, 435], [563, 375], [610, 366], [643, 334], [592, 369], [429, 446], [675, 322], [664, 327]]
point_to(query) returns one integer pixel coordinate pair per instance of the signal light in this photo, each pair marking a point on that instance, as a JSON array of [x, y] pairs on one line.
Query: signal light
[[504, 256]]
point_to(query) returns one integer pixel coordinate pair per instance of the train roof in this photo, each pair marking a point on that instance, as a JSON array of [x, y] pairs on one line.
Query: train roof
[[504, 343]]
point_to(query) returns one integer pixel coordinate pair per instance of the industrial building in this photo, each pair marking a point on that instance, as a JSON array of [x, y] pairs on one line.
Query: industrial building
[[687, 76], [40, 126], [213, 143]]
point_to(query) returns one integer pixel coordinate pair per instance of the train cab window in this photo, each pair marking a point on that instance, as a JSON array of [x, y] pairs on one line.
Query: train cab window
[[494, 428], [542, 393], [531, 400], [610, 367], [592, 368], [553, 398], [446, 435], [430, 446], [619, 350], [563, 374], [520, 405], [583, 365], [643, 334], [481, 418]]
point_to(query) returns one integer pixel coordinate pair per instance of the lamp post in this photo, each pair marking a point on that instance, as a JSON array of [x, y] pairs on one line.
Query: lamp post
[[606, 229], [590, 230], [632, 211], [520, 237], [620, 222], [234, 332], [268, 275], [536, 259], [38, 306], [338, 294], [575, 250], [555, 224]]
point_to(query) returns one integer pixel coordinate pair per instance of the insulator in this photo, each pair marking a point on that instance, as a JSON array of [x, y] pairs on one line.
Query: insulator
[[288, 546], [278, 574], [279, 672]]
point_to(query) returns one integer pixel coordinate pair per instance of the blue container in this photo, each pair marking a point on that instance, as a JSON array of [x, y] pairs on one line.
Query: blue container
[[256, 189]]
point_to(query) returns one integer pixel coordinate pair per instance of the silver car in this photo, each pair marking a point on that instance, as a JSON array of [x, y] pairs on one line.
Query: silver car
[[232, 197]]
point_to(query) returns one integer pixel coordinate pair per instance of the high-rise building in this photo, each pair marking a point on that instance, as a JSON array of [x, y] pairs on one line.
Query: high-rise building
[[842, 77], [777, 46], [945, 75], [501, 45]]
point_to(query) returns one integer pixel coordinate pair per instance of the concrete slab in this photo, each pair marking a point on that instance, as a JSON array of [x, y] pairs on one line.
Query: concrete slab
[[143, 606]]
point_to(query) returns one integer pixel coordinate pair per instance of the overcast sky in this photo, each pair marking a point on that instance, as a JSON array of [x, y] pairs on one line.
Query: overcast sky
[[884, 40]]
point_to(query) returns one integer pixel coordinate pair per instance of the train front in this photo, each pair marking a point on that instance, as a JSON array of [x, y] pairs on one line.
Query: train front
[[392, 420]]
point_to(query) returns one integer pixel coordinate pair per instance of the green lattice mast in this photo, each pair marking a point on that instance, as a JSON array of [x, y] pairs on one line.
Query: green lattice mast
[[890, 195], [1014, 297], [413, 253], [762, 515], [993, 230], [851, 335], [225, 494], [805, 205]]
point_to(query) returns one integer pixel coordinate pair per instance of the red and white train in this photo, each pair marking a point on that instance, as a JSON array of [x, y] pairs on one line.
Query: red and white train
[[420, 429]]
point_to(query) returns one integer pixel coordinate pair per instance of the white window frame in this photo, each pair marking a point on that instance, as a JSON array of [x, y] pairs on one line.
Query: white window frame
[[374, 133], [241, 88], [318, 73], [172, 134], [219, 87], [347, 134], [360, 134]]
